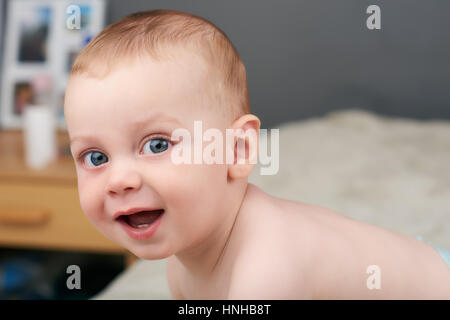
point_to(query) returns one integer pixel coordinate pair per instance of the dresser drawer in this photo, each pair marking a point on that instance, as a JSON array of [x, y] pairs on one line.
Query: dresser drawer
[[47, 216]]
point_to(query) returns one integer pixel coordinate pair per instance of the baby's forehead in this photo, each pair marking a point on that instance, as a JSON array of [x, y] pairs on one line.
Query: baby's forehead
[[175, 72], [138, 88], [177, 60], [179, 84]]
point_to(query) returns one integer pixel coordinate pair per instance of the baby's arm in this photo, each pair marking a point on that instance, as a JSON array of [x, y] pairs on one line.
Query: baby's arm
[[409, 268]]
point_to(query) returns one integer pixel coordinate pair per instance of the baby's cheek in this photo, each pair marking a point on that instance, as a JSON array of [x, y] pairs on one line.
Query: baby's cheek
[[89, 200], [197, 194]]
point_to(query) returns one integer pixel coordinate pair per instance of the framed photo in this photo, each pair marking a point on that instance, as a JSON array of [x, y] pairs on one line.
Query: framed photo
[[42, 39]]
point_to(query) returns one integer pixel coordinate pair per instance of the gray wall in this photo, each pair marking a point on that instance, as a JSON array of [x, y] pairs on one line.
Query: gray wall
[[306, 58]]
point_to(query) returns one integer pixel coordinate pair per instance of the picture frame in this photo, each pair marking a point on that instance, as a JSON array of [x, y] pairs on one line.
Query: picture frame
[[42, 39]]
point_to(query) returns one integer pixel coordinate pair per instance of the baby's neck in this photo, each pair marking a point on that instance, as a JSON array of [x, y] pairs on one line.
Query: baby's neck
[[203, 260]]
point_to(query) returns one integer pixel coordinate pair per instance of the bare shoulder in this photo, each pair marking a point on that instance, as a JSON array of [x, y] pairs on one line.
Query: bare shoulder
[[304, 250], [269, 263], [349, 250]]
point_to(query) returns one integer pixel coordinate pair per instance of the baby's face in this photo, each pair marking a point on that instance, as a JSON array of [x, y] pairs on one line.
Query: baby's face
[[120, 129]]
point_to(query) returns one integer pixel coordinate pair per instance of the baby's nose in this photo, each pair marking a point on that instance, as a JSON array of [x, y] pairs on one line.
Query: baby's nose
[[123, 180]]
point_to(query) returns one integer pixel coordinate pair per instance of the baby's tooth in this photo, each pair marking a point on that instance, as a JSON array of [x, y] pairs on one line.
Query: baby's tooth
[[142, 225]]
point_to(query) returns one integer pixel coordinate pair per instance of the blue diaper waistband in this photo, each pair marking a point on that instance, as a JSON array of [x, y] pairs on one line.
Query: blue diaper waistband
[[445, 254]]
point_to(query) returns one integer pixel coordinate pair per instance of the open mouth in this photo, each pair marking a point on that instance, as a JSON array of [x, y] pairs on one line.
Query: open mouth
[[141, 219]]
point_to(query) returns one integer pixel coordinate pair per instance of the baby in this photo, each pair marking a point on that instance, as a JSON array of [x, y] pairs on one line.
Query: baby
[[155, 72]]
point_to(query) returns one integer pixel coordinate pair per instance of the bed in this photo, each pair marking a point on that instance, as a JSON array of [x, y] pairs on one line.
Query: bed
[[390, 172]]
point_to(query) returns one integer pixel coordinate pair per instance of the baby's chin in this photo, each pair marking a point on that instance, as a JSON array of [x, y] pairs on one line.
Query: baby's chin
[[148, 254], [141, 249], [146, 251]]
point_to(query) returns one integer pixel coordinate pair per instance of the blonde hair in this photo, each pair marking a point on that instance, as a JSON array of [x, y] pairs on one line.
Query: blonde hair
[[151, 31]]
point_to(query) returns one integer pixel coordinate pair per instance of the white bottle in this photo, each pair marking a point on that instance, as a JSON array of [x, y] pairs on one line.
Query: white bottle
[[39, 126]]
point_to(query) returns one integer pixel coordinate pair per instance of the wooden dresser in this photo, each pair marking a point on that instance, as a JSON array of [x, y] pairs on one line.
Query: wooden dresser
[[41, 209]]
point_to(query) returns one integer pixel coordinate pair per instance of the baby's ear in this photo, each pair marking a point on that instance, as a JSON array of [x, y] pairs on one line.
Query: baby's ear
[[242, 146]]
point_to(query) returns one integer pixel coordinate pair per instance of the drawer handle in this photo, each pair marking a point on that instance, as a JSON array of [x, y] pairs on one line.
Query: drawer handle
[[21, 216]]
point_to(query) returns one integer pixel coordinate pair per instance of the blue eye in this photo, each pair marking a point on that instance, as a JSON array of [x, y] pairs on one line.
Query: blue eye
[[156, 145], [95, 158]]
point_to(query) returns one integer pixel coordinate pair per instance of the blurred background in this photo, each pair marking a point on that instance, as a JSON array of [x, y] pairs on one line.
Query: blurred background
[[364, 119]]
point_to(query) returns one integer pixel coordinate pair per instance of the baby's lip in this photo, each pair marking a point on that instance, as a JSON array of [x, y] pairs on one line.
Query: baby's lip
[[134, 210]]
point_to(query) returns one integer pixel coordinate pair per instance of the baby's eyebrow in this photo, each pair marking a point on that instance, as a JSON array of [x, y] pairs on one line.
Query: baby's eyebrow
[[137, 125], [82, 138], [155, 118]]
